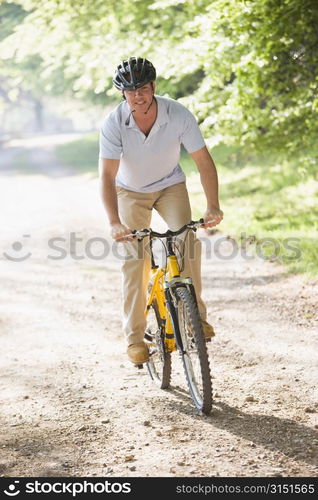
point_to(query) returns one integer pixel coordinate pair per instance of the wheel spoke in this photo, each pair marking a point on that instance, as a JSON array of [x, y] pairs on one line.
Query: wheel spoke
[[159, 364], [194, 353], [191, 355]]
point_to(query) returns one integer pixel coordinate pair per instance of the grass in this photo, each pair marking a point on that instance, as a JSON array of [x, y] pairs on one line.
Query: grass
[[22, 163], [81, 154], [273, 204]]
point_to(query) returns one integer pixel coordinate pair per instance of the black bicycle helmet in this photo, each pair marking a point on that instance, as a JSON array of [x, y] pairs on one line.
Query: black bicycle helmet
[[134, 73]]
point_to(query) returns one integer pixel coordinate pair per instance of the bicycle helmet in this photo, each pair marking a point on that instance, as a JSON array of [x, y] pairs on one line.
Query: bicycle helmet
[[134, 73]]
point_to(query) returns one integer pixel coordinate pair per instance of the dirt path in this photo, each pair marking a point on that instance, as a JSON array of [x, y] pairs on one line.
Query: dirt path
[[72, 403]]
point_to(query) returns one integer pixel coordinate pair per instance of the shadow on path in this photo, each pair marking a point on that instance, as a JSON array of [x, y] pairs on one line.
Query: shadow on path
[[283, 435]]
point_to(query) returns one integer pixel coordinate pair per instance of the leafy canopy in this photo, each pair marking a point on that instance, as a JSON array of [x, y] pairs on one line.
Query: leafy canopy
[[247, 68]]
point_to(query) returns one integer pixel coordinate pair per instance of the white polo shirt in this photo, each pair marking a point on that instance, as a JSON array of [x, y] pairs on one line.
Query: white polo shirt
[[150, 163]]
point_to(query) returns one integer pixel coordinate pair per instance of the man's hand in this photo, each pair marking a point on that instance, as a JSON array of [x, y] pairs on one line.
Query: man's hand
[[213, 214], [119, 232]]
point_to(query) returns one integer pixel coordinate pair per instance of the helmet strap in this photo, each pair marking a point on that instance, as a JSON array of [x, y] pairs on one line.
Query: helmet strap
[[149, 106], [128, 118], [151, 99]]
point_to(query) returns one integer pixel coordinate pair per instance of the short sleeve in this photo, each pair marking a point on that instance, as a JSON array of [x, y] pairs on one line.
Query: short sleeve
[[191, 136], [110, 143]]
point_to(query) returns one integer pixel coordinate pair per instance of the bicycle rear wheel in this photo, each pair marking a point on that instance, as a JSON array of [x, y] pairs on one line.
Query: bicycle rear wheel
[[159, 364], [194, 353]]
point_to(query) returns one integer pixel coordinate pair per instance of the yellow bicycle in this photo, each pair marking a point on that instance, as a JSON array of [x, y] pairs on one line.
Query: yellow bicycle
[[173, 322]]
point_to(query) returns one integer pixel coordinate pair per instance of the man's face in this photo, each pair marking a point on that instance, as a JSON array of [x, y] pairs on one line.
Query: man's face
[[140, 99]]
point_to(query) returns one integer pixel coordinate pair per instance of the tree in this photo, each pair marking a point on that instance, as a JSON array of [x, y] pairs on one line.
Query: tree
[[247, 68]]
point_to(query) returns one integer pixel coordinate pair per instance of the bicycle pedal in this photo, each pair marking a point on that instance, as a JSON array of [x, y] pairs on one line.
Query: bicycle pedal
[[151, 345], [151, 353]]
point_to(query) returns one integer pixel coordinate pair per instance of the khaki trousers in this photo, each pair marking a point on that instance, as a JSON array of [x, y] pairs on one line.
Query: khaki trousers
[[172, 203]]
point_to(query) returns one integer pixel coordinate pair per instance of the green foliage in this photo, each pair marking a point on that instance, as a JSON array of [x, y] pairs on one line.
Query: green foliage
[[11, 15], [81, 154], [266, 201], [247, 68]]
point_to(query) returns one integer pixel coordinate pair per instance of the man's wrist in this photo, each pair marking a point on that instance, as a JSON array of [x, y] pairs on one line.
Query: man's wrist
[[114, 222], [212, 206]]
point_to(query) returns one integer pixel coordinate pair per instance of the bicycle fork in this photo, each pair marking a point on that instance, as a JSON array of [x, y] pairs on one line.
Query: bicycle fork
[[171, 300]]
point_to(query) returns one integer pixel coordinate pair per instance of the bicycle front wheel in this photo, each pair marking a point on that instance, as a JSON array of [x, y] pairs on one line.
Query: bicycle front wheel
[[159, 364], [194, 352]]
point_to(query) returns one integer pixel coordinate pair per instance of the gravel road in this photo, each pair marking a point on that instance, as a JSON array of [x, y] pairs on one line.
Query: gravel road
[[72, 403]]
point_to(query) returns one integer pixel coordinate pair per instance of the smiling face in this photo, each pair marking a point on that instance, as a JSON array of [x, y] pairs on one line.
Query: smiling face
[[140, 99]]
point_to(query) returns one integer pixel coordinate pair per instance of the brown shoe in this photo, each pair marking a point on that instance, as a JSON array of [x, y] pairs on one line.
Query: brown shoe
[[138, 353], [208, 330]]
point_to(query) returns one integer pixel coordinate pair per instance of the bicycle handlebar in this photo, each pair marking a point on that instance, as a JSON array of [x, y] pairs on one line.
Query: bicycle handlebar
[[194, 225]]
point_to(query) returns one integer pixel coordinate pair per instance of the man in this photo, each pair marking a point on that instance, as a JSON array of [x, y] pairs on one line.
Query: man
[[139, 170]]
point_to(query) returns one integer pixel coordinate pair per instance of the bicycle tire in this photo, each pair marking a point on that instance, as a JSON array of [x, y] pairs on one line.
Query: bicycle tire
[[194, 351], [159, 364]]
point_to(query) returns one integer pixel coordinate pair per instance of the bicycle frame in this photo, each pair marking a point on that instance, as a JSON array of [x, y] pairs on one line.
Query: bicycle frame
[[164, 280], [175, 322]]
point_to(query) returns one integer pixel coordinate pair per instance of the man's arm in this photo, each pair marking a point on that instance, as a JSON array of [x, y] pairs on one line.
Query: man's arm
[[209, 181], [107, 173]]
